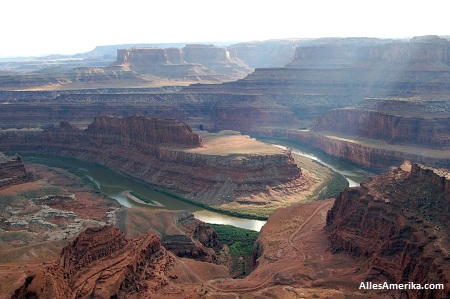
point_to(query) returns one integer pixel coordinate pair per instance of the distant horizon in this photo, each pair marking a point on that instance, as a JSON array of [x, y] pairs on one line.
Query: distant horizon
[[215, 43], [49, 27]]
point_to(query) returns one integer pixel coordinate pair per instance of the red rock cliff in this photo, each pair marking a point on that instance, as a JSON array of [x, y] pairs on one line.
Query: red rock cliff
[[376, 157], [399, 222], [12, 171], [103, 263], [142, 131], [140, 148], [428, 129]]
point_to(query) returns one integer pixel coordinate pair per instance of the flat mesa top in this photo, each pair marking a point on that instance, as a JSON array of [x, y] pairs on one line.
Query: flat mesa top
[[230, 142]]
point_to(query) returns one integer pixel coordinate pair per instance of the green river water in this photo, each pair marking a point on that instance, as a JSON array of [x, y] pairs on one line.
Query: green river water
[[113, 184]]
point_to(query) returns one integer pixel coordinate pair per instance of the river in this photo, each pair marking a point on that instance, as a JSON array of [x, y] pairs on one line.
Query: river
[[353, 174], [114, 184], [350, 176]]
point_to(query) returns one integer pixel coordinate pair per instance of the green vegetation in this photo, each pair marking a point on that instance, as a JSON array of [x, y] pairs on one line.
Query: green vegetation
[[58, 162], [42, 192], [240, 243], [336, 185], [214, 209], [142, 197]]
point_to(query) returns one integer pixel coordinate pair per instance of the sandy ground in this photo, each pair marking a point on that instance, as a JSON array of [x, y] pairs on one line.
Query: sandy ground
[[232, 142], [297, 262]]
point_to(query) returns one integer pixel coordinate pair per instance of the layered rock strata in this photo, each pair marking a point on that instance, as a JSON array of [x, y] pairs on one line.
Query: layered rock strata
[[344, 71], [359, 69], [12, 171], [398, 222], [324, 75], [368, 152], [160, 152], [379, 133], [194, 239], [190, 62], [425, 123], [103, 263]]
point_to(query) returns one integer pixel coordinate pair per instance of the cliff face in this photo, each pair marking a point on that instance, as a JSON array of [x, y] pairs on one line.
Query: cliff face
[[141, 131], [398, 221], [12, 171], [360, 68], [157, 152], [338, 74], [248, 113], [197, 241], [403, 127], [43, 109], [191, 61], [421, 53], [103, 263], [380, 157]]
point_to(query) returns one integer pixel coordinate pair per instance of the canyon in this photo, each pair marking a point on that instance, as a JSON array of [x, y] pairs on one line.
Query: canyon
[[318, 249], [103, 263], [219, 170], [136, 67], [40, 216], [164, 116], [360, 90]]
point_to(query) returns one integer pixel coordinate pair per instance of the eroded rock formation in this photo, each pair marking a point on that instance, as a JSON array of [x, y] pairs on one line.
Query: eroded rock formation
[[399, 222], [425, 123], [12, 171], [195, 239], [191, 62], [367, 152], [327, 75], [103, 263], [160, 152]]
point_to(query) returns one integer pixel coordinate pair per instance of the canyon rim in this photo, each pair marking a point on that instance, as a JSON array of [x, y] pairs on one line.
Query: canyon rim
[[188, 121]]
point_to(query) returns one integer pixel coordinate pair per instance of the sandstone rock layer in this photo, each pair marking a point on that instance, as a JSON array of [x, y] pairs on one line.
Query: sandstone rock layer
[[164, 153], [398, 221], [12, 171], [103, 263]]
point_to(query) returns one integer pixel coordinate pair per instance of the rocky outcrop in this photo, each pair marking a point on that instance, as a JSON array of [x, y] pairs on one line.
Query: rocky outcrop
[[335, 73], [190, 62], [103, 263], [141, 132], [250, 113], [368, 154], [194, 240], [331, 75], [398, 221], [358, 69], [425, 123], [421, 53], [45, 109], [134, 67], [160, 153], [76, 76], [12, 171]]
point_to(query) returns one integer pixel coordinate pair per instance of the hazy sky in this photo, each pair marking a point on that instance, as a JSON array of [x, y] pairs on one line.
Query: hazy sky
[[38, 27]]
